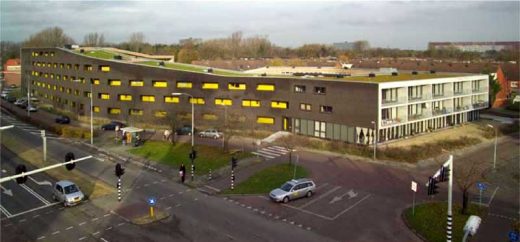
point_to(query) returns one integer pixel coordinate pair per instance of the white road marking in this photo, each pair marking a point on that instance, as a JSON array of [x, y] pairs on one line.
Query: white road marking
[[106, 215], [82, 238], [178, 205], [145, 185], [94, 219], [492, 196], [353, 205], [168, 208], [171, 195], [263, 155], [34, 209], [163, 180], [104, 240], [155, 182], [41, 183], [40, 238], [119, 224], [82, 223], [109, 228], [5, 212], [95, 233], [320, 197], [35, 194], [162, 198], [22, 220], [69, 228], [56, 232], [35, 216]]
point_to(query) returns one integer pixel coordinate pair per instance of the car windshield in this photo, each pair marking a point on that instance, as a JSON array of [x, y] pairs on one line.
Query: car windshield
[[71, 189], [286, 187]]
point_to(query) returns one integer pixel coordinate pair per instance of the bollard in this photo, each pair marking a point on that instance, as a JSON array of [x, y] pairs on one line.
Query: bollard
[[209, 174], [119, 189], [232, 179]]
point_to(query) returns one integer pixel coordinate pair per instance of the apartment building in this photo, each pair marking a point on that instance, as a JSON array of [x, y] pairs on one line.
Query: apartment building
[[353, 109]]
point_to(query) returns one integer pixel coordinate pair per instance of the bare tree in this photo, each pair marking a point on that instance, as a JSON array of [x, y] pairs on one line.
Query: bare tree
[[136, 41], [233, 125], [467, 175], [94, 39], [49, 37]]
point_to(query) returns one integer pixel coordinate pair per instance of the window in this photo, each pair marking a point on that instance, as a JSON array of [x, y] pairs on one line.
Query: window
[[134, 83], [250, 103], [197, 100], [95, 109], [76, 66], [320, 129], [61, 89], [305, 107], [104, 96], [160, 83], [147, 98], [208, 116], [415, 92], [58, 77], [65, 77], [52, 53], [160, 114], [236, 86], [95, 81], [320, 90], [62, 65], [279, 104], [184, 85], [325, 109], [438, 89], [265, 120], [223, 101], [69, 90], [114, 110], [104, 68], [299, 88], [114, 82], [76, 92], [209, 85], [87, 68], [265, 87], [69, 66], [86, 94], [125, 97], [136, 112], [55, 65], [171, 99]]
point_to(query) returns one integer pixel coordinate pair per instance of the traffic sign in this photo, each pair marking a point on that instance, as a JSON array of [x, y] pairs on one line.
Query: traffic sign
[[481, 186], [513, 236], [414, 186], [152, 201]]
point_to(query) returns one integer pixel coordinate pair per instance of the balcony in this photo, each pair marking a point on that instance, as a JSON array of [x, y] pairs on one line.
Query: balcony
[[419, 98], [390, 102], [438, 95], [461, 92], [481, 104], [443, 111], [387, 122], [462, 108], [418, 116], [478, 90]]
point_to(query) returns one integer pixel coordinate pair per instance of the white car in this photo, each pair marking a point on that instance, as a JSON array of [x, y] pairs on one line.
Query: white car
[[210, 133], [67, 192]]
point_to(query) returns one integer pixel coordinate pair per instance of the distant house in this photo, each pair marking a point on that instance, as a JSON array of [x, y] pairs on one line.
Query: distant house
[[508, 77], [12, 72]]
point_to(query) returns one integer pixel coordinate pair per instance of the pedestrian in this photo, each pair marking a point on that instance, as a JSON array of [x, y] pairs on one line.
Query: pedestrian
[[182, 172]]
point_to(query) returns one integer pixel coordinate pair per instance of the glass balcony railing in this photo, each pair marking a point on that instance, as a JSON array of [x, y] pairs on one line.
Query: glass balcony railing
[[462, 108], [480, 89], [481, 104], [418, 116], [399, 100], [419, 98], [442, 111], [387, 122], [461, 92]]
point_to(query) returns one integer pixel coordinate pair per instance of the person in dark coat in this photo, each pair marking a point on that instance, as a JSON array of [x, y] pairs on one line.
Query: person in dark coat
[[182, 172]]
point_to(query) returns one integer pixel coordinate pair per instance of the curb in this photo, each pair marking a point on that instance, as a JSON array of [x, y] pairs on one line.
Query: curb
[[403, 218]]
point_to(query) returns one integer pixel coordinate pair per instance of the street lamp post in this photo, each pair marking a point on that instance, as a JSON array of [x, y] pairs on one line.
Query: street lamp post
[[225, 124], [192, 115], [495, 150], [91, 111], [375, 138]]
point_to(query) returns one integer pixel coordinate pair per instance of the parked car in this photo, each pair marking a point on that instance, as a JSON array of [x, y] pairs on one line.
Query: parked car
[[62, 119], [20, 101], [293, 189], [32, 108], [5, 93], [67, 192], [185, 130], [112, 125], [11, 99], [210, 133]]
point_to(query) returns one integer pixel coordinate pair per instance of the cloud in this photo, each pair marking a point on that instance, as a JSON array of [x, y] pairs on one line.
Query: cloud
[[288, 23]]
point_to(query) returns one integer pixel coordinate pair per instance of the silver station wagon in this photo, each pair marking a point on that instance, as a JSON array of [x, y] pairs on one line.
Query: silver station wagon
[[293, 189], [67, 192]]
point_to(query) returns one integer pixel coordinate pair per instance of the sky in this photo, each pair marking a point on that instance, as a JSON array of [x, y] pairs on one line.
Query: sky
[[396, 24]]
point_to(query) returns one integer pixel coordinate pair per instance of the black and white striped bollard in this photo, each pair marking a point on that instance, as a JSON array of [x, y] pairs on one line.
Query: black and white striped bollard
[[119, 189], [232, 179], [209, 178], [192, 171]]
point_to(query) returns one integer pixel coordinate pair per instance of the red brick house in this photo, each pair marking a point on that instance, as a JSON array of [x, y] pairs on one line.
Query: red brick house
[[11, 71], [509, 78]]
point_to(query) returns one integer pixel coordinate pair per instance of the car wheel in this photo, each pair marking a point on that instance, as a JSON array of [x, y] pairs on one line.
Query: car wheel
[[215, 137], [54, 198], [285, 199], [309, 193]]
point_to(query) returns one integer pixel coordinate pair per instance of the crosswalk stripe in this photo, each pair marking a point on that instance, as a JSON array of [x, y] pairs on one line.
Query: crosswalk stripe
[[277, 151], [279, 148], [263, 155], [267, 152]]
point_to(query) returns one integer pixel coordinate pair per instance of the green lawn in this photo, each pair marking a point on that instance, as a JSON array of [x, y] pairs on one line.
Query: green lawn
[[400, 77], [195, 68], [208, 157], [268, 179], [430, 220], [102, 54]]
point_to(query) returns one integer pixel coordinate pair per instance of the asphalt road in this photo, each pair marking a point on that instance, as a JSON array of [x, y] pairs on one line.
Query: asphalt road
[[194, 216]]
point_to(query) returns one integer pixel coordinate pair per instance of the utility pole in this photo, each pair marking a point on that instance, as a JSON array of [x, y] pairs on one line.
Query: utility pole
[[44, 139], [450, 198]]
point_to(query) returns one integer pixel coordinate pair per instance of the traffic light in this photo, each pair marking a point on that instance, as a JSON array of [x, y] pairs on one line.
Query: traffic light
[[432, 186], [68, 157], [444, 174], [193, 154], [119, 170], [233, 162], [19, 170]]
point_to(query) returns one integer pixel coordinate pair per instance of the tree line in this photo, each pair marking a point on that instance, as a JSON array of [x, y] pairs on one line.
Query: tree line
[[238, 46]]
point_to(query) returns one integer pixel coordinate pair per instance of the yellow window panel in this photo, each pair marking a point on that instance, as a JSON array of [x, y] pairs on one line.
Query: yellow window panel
[[68, 90], [160, 114], [58, 77], [65, 77], [96, 109], [54, 87], [137, 112], [265, 120], [114, 82], [76, 92], [104, 96], [226, 102], [61, 65], [96, 82], [210, 85], [125, 97], [52, 53], [49, 64], [61, 89], [237, 86], [114, 110], [69, 66], [148, 98], [170, 99], [209, 116], [160, 83], [184, 85], [197, 100], [104, 68], [250, 103], [136, 83], [281, 105], [52, 76], [265, 87]]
